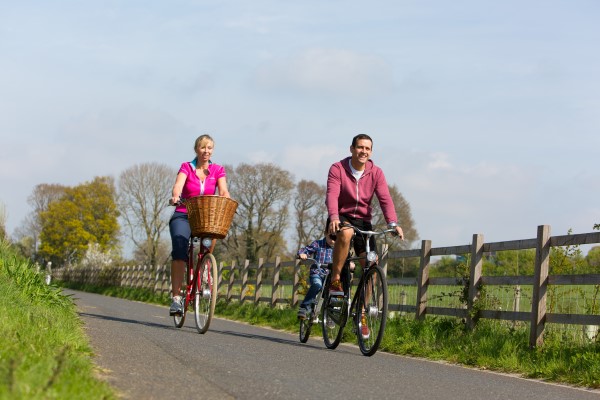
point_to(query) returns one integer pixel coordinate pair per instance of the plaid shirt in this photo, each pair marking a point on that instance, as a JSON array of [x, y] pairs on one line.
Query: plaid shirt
[[320, 251]]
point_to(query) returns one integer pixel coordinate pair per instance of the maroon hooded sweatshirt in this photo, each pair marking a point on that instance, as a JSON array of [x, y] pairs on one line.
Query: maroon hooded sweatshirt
[[346, 195]]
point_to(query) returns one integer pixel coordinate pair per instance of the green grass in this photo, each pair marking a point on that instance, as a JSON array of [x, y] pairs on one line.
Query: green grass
[[44, 353]]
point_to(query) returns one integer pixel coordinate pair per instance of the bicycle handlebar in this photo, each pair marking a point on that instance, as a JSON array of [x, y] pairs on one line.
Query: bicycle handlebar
[[375, 233], [311, 260]]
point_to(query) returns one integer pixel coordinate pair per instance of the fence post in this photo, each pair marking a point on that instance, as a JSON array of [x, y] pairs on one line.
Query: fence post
[[517, 303], [231, 280], [474, 279], [423, 279], [275, 281], [403, 301], [540, 286], [296, 284], [258, 288], [244, 281]]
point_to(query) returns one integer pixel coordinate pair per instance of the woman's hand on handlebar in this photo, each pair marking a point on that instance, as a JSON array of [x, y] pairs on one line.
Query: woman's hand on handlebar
[[175, 201]]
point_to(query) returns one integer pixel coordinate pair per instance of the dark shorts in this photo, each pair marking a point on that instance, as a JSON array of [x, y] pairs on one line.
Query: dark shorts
[[180, 230], [358, 240]]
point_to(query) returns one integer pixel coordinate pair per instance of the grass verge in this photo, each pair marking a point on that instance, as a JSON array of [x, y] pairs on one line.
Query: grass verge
[[44, 353]]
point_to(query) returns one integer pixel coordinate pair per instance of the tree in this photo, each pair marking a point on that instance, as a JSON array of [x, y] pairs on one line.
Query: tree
[[144, 191], [593, 259], [84, 214], [28, 233], [310, 212], [402, 267], [263, 192], [510, 263]]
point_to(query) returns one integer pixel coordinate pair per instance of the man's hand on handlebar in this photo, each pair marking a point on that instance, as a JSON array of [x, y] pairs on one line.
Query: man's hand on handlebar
[[302, 256], [399, 232]]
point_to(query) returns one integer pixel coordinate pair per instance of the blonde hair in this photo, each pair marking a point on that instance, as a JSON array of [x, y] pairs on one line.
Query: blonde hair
[[201, 140]]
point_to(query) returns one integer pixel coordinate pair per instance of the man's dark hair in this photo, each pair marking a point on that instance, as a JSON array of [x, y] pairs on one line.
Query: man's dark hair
[[361, 137]]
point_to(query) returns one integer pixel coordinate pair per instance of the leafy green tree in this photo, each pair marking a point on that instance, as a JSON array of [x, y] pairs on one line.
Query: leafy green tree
[[593, 259], [84, 214], [510, 263]]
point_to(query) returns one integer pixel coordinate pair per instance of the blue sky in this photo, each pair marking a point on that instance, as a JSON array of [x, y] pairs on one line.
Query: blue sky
[[483, 113]]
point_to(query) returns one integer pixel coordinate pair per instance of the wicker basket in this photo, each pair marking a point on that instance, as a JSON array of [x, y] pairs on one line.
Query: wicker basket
[[210, 216]]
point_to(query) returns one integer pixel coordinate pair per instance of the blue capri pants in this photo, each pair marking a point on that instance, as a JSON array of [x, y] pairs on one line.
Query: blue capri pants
[[180, 230]]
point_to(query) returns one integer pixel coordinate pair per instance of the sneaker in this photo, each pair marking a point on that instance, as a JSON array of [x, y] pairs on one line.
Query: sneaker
[[336, 289], [176, 306], [302, 312], [364, 329]]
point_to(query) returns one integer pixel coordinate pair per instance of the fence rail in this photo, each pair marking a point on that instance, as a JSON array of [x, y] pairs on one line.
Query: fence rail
[[234, 282]]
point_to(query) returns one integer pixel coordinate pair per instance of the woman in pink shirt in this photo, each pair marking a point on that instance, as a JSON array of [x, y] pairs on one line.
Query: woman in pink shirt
[[195, 178]]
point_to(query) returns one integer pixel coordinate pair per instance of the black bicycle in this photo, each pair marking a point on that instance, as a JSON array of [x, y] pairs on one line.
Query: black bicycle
[[312, 316], [368, 309]]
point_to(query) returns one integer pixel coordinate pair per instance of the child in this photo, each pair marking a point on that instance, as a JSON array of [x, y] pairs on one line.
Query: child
[[322, 251]]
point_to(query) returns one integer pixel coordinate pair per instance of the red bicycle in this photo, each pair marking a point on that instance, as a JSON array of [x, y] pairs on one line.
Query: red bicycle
[[210, 218], [200, 292]]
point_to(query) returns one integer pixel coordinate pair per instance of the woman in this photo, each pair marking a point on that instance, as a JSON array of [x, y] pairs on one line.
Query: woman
[[195, 178]]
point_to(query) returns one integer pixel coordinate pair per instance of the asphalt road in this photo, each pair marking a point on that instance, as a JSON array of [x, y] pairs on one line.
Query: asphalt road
[[144, 356]]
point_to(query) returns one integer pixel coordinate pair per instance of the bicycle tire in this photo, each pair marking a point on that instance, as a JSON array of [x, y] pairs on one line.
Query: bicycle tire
[[305, 328], [372, 303], [333, 320], [179, 319], [205, 297]]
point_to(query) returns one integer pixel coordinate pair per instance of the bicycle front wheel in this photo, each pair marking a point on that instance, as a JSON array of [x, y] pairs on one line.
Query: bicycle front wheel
[[305, 327], [371, 311], [206, 292]]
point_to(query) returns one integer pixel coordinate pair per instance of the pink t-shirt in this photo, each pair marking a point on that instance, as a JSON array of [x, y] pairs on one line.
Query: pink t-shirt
[[194, 187]]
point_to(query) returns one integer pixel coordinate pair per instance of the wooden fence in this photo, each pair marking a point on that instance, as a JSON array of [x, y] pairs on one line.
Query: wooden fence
[[234, 283]]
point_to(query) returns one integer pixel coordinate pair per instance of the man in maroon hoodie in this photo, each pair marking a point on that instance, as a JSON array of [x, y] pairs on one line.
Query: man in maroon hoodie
[[351, 184]]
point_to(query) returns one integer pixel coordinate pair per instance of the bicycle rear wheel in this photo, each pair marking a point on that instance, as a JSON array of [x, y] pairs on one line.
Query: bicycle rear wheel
[[335, 314], [206, 292], [179, 319], [371, 310]]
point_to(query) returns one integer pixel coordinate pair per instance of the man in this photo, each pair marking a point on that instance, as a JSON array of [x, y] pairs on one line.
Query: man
[[351, 184]]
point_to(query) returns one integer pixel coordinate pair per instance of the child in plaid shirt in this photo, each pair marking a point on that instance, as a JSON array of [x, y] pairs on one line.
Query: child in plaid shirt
[[322, 251]]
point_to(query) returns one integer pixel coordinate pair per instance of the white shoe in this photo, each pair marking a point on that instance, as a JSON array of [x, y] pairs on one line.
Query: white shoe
[[176, 306]]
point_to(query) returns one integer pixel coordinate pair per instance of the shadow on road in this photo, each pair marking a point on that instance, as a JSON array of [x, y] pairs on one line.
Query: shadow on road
[[126, 320], [274, 340]]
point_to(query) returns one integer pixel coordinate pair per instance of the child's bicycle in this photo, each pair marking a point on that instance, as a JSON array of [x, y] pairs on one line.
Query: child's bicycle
[[312, 316], [368, 309]]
